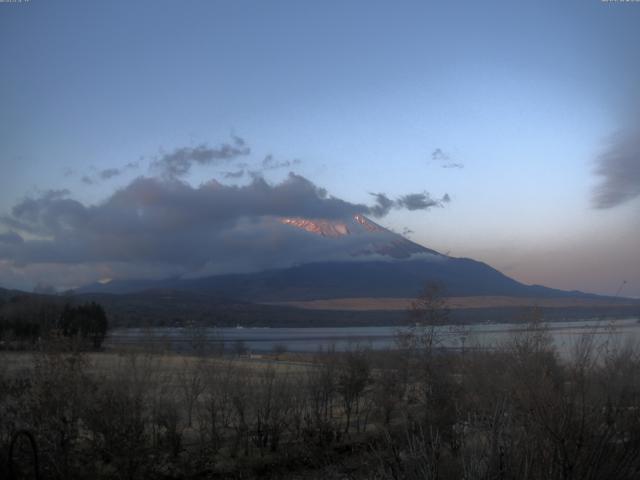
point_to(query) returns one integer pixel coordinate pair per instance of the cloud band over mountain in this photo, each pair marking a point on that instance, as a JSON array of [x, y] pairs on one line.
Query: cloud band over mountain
[[164, 226]]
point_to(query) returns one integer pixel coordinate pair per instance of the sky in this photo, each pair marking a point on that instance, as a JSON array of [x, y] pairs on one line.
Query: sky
[[154, 138]]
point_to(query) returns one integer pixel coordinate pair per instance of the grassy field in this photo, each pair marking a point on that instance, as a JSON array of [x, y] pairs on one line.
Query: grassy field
[[167, 364], [403, 304], [417, 413]]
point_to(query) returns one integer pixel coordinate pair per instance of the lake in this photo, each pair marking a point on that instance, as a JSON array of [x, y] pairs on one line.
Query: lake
[[564, 335]]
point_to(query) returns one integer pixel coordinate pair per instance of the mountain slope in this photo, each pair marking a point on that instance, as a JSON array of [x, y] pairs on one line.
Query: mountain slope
[[401, 279], [458, 276], [382, 264], [375, 240]]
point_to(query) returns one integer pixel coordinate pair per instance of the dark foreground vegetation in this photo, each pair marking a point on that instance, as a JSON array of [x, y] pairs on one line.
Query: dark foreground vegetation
[[29, 321], [516, 412]]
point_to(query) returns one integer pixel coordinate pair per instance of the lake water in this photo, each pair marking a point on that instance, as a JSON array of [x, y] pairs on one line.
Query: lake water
[[564, 334]]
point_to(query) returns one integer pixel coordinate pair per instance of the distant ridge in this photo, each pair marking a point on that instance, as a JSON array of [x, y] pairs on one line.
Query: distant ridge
[[379, 264], [179, 308], [314, 281]]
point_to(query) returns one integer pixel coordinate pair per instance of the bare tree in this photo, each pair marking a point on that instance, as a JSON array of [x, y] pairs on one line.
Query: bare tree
[[427, 312], [217, 407], [192, 384], [353, 377]]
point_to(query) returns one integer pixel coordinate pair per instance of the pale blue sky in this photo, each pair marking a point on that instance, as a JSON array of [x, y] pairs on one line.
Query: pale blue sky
[[524, 94]]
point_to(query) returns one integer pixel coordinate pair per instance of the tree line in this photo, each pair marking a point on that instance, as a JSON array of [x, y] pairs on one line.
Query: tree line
[[26, 320]]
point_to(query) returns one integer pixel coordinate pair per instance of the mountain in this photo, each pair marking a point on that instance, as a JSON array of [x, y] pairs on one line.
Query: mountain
[[375, 240], [6, 295], [379, 263]]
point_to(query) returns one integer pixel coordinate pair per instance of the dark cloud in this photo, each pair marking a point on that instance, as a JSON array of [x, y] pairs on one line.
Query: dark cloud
[[439, 156], [270, 163], [153, 220], [619, 170], [55, 194], [239, 141], [382, 206], [50, 213], [109, 173], [178, 163], [444, 159], [168, 222], [417, 201], [236, 174], [411, 201], [156, 227]]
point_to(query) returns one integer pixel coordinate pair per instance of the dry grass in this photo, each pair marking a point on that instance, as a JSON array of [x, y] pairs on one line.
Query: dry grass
[[398, 304], [362, 414], [113, 363]]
